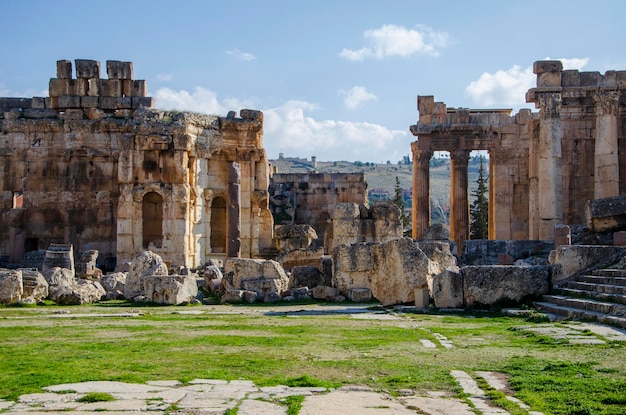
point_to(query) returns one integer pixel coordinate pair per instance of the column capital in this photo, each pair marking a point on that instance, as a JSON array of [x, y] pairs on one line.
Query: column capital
[[606, 102], [550, 105], [460, 156], [421, 157]]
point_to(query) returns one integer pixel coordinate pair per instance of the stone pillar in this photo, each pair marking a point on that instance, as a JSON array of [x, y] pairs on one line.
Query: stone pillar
[[233, 213], [420, 208], [550, 184], [459, 198], [492, 223], [606, 162]]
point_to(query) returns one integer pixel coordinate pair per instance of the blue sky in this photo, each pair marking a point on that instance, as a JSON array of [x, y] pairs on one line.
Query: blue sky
[[335, 79]]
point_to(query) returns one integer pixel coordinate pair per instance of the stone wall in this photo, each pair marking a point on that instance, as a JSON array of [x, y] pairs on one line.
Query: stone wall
[[309, 198], [544, 166], [93, 165]]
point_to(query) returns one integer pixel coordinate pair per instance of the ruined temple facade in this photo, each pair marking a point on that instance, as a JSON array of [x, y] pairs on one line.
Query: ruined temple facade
[[96, 166], [544, 166]]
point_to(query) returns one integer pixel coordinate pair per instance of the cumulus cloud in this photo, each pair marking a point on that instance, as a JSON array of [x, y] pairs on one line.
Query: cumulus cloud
[[29, 93], [356, 96], [290, 129], [200, 100], [392, 40], [507, 87], [243, 56]]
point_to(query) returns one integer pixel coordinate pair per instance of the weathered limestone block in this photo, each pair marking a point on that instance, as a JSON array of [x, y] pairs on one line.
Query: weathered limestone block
[[312, 256], [35, 285], [257, 275], [145, 264], [59, 276], [170, 289], [570, 260], [120, 70], [323, 292], [440, 256], [86, 264], [86, 68], [359, 295], [401, 267], [114, 283], [422, 297], [292, 237], [447, 288], [608, 214], [305, 276], [489, 284], [82, 292], [392, 270], [11, 288], [212, 276], [232, 296], [64, 69], [387, 221]]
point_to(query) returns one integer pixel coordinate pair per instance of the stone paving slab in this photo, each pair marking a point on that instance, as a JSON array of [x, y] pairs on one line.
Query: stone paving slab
[[215, 397], [438, 406]]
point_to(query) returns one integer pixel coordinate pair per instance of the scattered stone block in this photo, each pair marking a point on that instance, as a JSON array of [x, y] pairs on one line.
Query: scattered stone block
[[490, 284], [64, 69], [447, 288], [607, 214], [562, 235], [422, 297], [359, 295], [11, 288], [120, 70]]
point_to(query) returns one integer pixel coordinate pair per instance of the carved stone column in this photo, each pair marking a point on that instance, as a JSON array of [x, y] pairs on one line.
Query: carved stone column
[[606, 162], [550, 184], [459, 198], [420, 208], [233, 213]]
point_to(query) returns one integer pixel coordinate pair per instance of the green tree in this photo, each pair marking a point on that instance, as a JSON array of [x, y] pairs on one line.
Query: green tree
[[479, 210], [398, 200]]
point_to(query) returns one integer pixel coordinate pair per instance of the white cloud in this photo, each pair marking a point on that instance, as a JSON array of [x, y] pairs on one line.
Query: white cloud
[[507, 87], [289, 129], [357, 96], [164, 77], [29, 93], [200, 100], [237, 54], [392, 40]]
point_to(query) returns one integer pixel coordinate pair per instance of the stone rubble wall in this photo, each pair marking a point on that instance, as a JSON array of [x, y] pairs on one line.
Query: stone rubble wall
[[309, 198]]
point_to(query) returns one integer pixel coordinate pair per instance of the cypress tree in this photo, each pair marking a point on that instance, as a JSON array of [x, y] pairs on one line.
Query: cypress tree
[[479, 209]]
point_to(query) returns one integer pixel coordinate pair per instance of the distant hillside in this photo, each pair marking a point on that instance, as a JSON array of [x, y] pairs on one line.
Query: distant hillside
[[384, 175]]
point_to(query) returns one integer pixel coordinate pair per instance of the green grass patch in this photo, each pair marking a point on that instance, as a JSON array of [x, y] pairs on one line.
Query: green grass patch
[[300, 350], [95, 397], [294, 404]]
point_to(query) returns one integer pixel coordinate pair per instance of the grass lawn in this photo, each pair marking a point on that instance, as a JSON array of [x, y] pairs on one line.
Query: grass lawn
[[250, 342]]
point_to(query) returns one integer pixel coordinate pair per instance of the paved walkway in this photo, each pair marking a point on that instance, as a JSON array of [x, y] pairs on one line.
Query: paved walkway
[[210, 396]]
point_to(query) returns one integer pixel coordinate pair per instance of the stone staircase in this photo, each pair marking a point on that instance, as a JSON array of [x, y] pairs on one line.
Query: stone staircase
[[599, 297]]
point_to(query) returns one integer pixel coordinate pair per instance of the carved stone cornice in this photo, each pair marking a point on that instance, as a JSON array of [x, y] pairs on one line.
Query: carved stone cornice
[[607, 102], [550, 105]]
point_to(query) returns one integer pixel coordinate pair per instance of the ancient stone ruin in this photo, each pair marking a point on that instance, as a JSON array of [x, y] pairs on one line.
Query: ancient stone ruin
[[184, 205], [94, 165]]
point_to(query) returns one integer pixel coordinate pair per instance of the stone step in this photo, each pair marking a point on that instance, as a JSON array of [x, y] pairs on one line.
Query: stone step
[[572, 313], [596, 295], [587, 304], [608, 272], [597, 279], [601, 288]]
